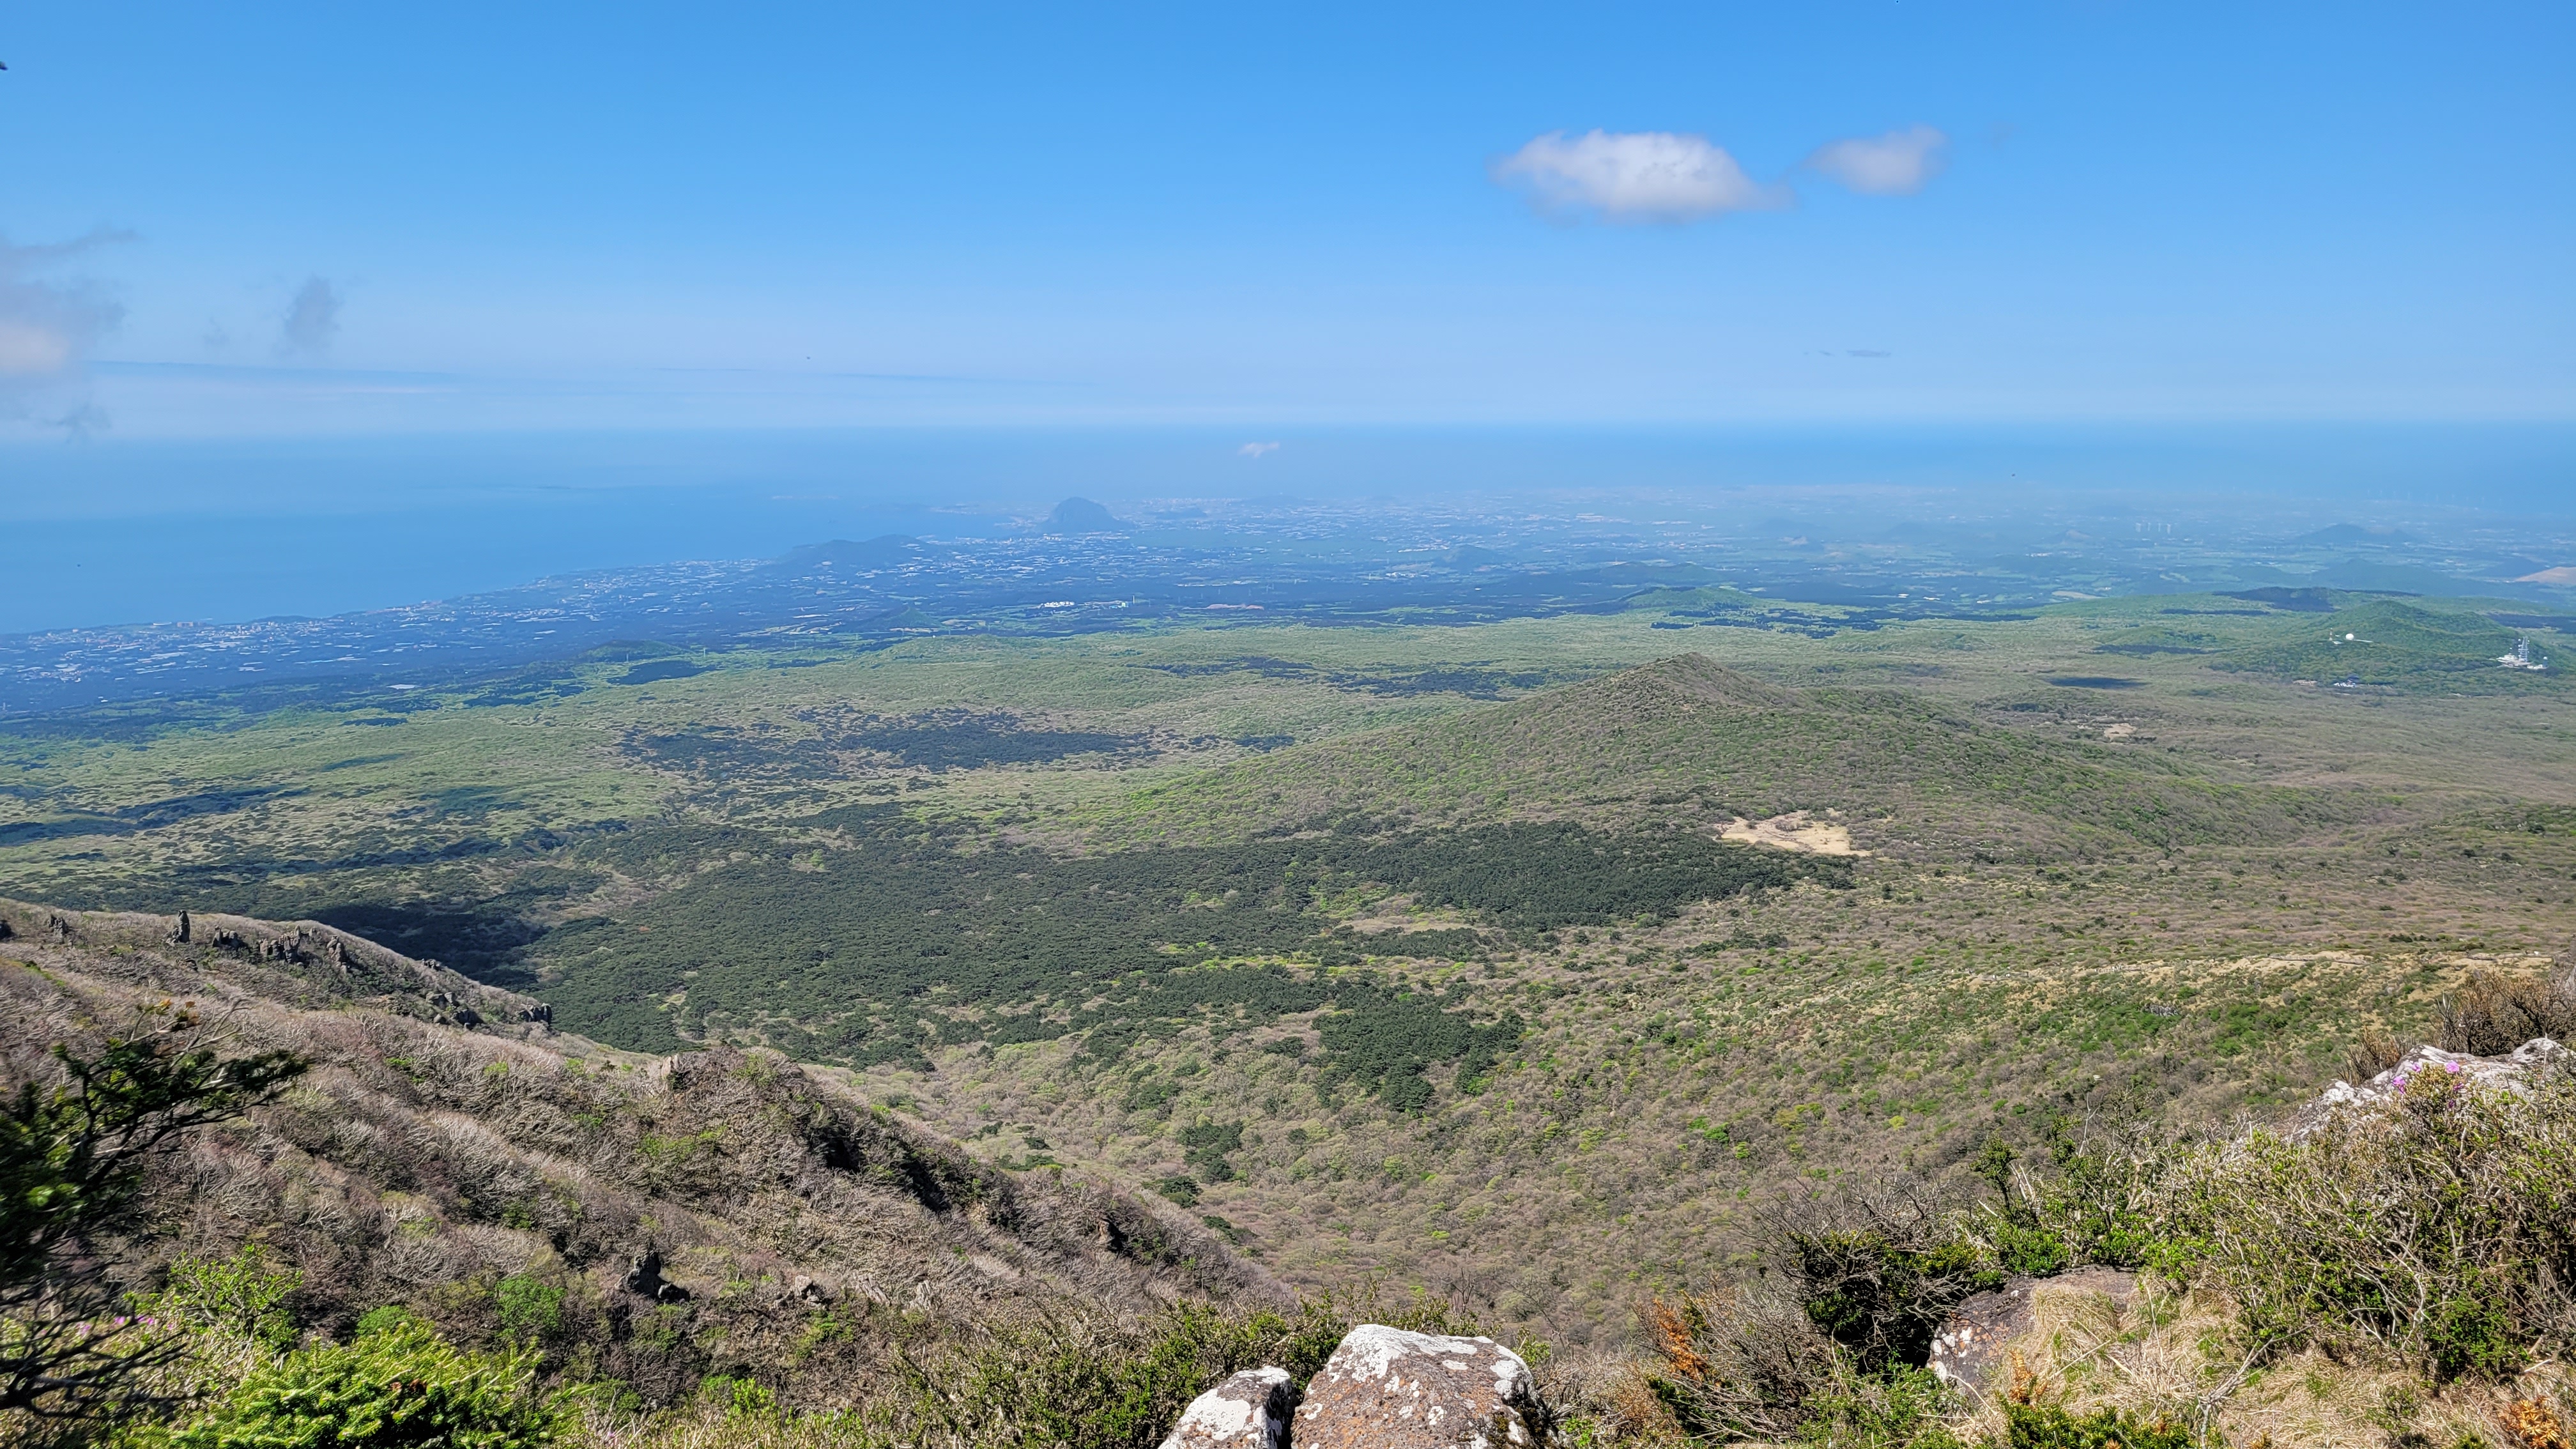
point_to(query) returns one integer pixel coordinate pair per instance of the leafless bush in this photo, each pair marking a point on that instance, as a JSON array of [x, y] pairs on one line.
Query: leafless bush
[[2491, 1015], [1878, 1272], [2376, 1052], [1738, 1362]]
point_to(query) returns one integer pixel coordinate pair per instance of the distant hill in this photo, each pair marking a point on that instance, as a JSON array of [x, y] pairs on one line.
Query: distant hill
[[886, 550], [1081, 515], [2355, 533], [2388, 643], [450, 1153], [1688, 735]]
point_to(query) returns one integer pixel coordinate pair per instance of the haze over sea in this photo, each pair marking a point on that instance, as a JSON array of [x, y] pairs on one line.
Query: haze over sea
[[125, 531]]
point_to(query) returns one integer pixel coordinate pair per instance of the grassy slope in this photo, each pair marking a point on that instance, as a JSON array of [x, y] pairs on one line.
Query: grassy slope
[[424, 1163]]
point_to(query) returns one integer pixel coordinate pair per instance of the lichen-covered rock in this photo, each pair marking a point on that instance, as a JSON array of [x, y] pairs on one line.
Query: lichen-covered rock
[[1968, 1351], [2514, 1073], [1385, 1388], [1249, 1410]]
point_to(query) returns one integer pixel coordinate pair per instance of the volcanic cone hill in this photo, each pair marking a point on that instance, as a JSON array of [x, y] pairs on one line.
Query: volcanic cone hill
[[647, 1221], [1909, 775]]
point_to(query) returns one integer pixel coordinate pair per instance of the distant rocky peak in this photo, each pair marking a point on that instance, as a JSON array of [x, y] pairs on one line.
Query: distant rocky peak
[[1081, 515]]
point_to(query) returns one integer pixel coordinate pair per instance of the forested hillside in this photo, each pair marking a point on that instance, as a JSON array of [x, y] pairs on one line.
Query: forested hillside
[[1909, 774]]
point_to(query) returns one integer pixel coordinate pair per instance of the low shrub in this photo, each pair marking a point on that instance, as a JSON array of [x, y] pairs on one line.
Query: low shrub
[[244, 1295], [528, 1309], [1738, 1363], [395, 1389], [2441, 1229], [2045, 1426], [2091, 1208], [1081, 1385], [1878, 1274], [1899, 1409]]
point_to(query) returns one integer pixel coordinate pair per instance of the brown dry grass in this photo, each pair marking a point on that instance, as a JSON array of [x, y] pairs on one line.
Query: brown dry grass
[[2183, 1354]]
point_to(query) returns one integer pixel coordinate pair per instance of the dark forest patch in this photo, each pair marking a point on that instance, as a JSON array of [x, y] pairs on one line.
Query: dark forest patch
[[1261, 664], [1469, 680], [355, 761], [2096, 681], [481, 936], [1476, 681], [2297, 601], [899, 939], [732, 752], [660, 670], [961, 741], [135, 819], [529, 686]]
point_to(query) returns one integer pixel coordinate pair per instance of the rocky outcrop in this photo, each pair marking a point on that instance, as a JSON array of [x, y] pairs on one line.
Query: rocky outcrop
[[1385, 1388], [644, 1279], [2515, 1072], [1248, 1410], [1968, 1351]]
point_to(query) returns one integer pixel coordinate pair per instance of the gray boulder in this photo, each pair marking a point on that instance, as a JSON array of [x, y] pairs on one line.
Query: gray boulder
[[1249, 1410], [2515, 1073], [1385, 1388], [1968, 1352]]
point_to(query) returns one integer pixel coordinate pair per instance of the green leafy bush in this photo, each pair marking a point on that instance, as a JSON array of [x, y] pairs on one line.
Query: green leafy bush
[[2089, 1210], [73, 1156], [738, 1398], [2045, 1426], [529, 1309], [400, 1387], [243, 1295], [1204, 1148], [1743, 1363], [1900, 1409], [1094, 1386], [387, 1319]]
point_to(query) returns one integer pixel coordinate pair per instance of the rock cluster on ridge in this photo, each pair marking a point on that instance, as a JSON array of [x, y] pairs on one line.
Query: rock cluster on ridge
[[1385, 1388], [2515, 1072], [1247, 1410]]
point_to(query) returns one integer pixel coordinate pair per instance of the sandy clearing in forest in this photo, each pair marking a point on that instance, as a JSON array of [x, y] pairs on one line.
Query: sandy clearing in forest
[[1794, 832]]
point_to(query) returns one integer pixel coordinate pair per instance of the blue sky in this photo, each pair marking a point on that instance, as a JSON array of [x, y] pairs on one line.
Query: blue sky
[[323, 220]]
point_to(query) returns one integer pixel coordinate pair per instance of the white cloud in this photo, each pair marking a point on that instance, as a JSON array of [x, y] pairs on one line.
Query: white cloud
[[47, 330], [29, 350], [312, 319], [1255, 450], [1634, 176], [1896, 164]]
